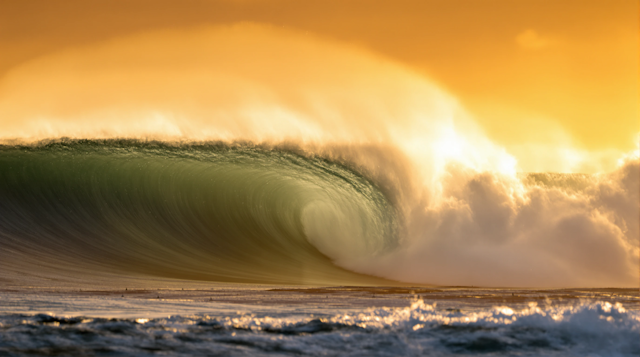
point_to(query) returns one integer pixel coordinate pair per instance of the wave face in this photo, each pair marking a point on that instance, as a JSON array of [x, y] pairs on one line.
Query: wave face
[[234, 213]]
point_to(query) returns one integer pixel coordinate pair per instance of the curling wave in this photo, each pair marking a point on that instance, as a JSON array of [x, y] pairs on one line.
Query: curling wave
[[223, 212], [390, 175]]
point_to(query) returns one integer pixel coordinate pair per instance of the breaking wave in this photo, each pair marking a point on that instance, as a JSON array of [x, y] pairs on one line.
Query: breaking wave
[[283, 214], [221, 212], [351, 163]]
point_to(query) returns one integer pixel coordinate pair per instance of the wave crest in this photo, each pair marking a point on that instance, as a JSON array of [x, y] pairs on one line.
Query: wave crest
[[215, 211]]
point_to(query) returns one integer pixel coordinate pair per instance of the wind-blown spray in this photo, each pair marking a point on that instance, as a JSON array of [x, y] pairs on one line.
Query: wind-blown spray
[[348, 158]]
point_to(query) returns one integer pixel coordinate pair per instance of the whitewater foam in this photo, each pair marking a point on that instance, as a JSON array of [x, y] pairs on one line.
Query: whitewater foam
[[593, 328]]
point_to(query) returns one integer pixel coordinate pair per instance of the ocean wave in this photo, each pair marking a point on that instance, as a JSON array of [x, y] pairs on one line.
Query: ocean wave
[[405, 150], [294, 214], [212, 211]]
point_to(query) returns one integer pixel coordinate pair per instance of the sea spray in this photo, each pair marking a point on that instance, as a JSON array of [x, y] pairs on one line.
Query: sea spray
[[589, 328]]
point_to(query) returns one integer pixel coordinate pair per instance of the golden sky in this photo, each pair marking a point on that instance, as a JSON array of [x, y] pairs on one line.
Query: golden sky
[[532, 72]]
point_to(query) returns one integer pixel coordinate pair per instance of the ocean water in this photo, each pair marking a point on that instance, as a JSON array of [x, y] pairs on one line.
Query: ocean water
[[217, 212], [293, 214], [110, 326], [122, 247]]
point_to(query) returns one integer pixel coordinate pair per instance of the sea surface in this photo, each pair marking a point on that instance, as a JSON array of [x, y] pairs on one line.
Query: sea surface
[[141, 248], [330, 321]]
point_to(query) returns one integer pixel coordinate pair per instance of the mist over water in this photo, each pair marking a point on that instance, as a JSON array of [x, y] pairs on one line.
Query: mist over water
[[350, 163]]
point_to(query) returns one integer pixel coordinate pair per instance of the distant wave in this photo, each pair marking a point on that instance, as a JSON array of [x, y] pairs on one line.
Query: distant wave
[[214, 211]]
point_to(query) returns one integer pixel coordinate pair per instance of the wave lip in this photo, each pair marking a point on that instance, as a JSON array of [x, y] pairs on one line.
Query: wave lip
[[213, 211]]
